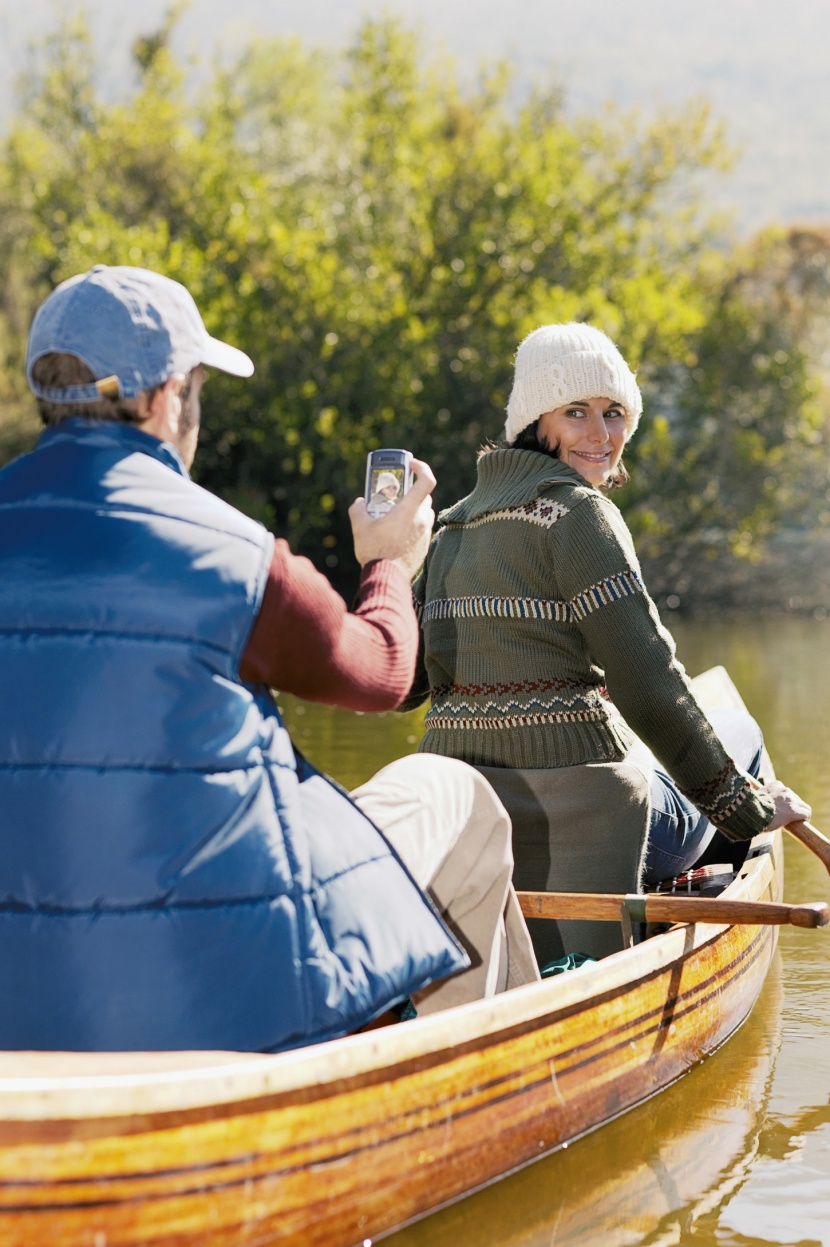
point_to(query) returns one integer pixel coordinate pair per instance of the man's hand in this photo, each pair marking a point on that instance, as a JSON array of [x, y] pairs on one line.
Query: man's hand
[[402, 534]]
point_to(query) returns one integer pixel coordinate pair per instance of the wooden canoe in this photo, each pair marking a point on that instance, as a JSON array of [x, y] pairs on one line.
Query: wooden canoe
[[342, 1142], [654, 1175]]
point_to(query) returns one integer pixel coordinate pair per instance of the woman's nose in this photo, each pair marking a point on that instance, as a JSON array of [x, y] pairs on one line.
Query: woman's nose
[[597, 430]]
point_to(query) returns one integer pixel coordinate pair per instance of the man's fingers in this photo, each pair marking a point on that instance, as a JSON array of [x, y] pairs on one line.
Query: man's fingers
[[424, 482], [402, 534]]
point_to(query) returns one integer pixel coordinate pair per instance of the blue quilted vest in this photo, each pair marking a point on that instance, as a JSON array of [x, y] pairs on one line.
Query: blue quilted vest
[[170, 877]]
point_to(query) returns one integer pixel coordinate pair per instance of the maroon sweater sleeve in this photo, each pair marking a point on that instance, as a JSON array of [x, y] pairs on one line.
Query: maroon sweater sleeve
[[305, 640]]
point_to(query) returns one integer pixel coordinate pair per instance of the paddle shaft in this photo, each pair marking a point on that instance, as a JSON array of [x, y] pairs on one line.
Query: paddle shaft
[[665, 907], [813, 840]]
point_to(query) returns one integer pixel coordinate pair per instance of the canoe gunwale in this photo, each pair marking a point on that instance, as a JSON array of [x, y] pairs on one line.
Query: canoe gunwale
[[337, 1143], [223, 1083]]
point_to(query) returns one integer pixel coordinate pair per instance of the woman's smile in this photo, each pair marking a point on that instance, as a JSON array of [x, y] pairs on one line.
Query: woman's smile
[[588, 435]]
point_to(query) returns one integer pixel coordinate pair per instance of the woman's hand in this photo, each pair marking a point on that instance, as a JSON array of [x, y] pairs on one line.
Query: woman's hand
[[789, 807], [403, 533]]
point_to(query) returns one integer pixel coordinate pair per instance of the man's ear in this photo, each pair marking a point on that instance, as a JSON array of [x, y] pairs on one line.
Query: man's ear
[[161, 413], [166, 400]]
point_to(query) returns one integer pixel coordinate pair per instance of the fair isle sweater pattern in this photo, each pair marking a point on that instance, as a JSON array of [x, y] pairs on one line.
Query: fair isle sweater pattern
[[522, 704], [517, 675], [611, 589], [722, 796], [540, 511]]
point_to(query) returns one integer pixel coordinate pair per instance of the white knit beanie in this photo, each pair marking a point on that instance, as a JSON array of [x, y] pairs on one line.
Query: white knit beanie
[[386, 478], [561, 364]]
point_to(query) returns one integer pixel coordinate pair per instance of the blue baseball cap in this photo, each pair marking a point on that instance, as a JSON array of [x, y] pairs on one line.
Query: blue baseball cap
[[132, 328]]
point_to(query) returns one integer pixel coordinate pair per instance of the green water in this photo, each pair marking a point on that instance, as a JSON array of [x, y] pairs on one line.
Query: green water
[[737, 1154]]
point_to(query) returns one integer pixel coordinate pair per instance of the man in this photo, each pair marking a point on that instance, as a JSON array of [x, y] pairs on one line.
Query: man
[[172, 874]]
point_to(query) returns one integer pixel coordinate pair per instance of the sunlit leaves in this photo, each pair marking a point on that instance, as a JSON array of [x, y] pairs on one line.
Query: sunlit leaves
[[379, 238]]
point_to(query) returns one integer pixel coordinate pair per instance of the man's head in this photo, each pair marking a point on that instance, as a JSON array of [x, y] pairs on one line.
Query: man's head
[[124, 343]]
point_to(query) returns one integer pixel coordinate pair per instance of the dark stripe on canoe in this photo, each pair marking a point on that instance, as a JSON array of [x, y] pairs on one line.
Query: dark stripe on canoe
[[14, 1133], [747, 957]]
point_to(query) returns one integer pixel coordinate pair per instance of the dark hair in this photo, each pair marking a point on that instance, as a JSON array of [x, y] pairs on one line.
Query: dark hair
[[56, 371], [529, 439]]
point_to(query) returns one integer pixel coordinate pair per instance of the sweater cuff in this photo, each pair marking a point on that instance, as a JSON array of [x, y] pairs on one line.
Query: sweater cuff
[[734, 803], [382, 575]]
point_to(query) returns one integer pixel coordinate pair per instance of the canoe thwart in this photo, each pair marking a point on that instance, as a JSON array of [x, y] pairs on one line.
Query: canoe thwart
[[659, 907]]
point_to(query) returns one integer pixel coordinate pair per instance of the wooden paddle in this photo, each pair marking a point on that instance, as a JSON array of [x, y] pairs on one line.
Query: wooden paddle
[[667, 907], [813, 840]]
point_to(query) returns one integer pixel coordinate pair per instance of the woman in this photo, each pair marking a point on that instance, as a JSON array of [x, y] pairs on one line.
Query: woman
[[547, 664]]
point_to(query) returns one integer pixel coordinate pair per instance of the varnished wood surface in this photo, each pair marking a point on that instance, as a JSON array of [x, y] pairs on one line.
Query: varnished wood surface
[[659, 907], [813, 840], [341, 1142], [645, 1178]]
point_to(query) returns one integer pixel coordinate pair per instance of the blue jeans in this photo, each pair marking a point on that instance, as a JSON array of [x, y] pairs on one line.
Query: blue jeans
[[679, 833]]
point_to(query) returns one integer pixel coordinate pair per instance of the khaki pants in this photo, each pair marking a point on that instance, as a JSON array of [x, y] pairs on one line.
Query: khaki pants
[[449, 827]]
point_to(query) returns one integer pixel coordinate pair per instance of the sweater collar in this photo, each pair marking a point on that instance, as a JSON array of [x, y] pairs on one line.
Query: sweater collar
[[113, 435], [510, 478]]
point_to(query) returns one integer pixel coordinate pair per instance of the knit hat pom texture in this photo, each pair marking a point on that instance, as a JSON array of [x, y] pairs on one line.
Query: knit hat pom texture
[[561, 364]]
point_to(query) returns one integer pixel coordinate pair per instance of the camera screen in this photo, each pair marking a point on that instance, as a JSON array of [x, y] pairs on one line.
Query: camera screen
[[386, 487]]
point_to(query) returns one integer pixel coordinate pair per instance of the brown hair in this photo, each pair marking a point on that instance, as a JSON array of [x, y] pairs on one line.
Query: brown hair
[[57, 371]]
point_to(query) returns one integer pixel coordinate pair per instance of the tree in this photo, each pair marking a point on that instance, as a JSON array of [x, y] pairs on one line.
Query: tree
[[379, 240], [738, 444]]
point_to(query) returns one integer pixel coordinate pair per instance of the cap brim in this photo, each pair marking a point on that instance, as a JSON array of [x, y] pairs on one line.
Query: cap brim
[[227, 358]]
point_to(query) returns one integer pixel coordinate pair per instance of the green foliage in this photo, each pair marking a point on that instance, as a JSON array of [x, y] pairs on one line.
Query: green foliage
[[379, 240], [742, 442]]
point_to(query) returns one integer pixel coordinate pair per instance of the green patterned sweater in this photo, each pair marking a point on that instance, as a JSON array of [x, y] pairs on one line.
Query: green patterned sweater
[[542, 648]]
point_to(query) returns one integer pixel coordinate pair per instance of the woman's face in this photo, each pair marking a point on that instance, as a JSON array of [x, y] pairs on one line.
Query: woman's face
[[589, 436]]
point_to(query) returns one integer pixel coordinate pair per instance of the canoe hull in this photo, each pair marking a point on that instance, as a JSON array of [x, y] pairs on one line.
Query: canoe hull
[[342, 1159], [337, 1144]]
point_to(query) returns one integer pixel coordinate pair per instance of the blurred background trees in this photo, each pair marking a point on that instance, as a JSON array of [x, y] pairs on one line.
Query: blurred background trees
[[379, 237]]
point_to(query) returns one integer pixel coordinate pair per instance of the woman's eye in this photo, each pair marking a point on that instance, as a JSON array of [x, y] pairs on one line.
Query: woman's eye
[[615, 414]]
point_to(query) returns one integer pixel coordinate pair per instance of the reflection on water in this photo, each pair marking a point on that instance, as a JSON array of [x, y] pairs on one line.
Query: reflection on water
[[782, 667], [737, 1154], [656, 1175]]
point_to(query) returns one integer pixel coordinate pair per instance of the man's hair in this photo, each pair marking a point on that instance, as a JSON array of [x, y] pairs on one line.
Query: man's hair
[[57, 371]]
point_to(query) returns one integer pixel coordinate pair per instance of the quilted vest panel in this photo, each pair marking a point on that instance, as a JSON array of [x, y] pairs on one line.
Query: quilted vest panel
[[167, 878]]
